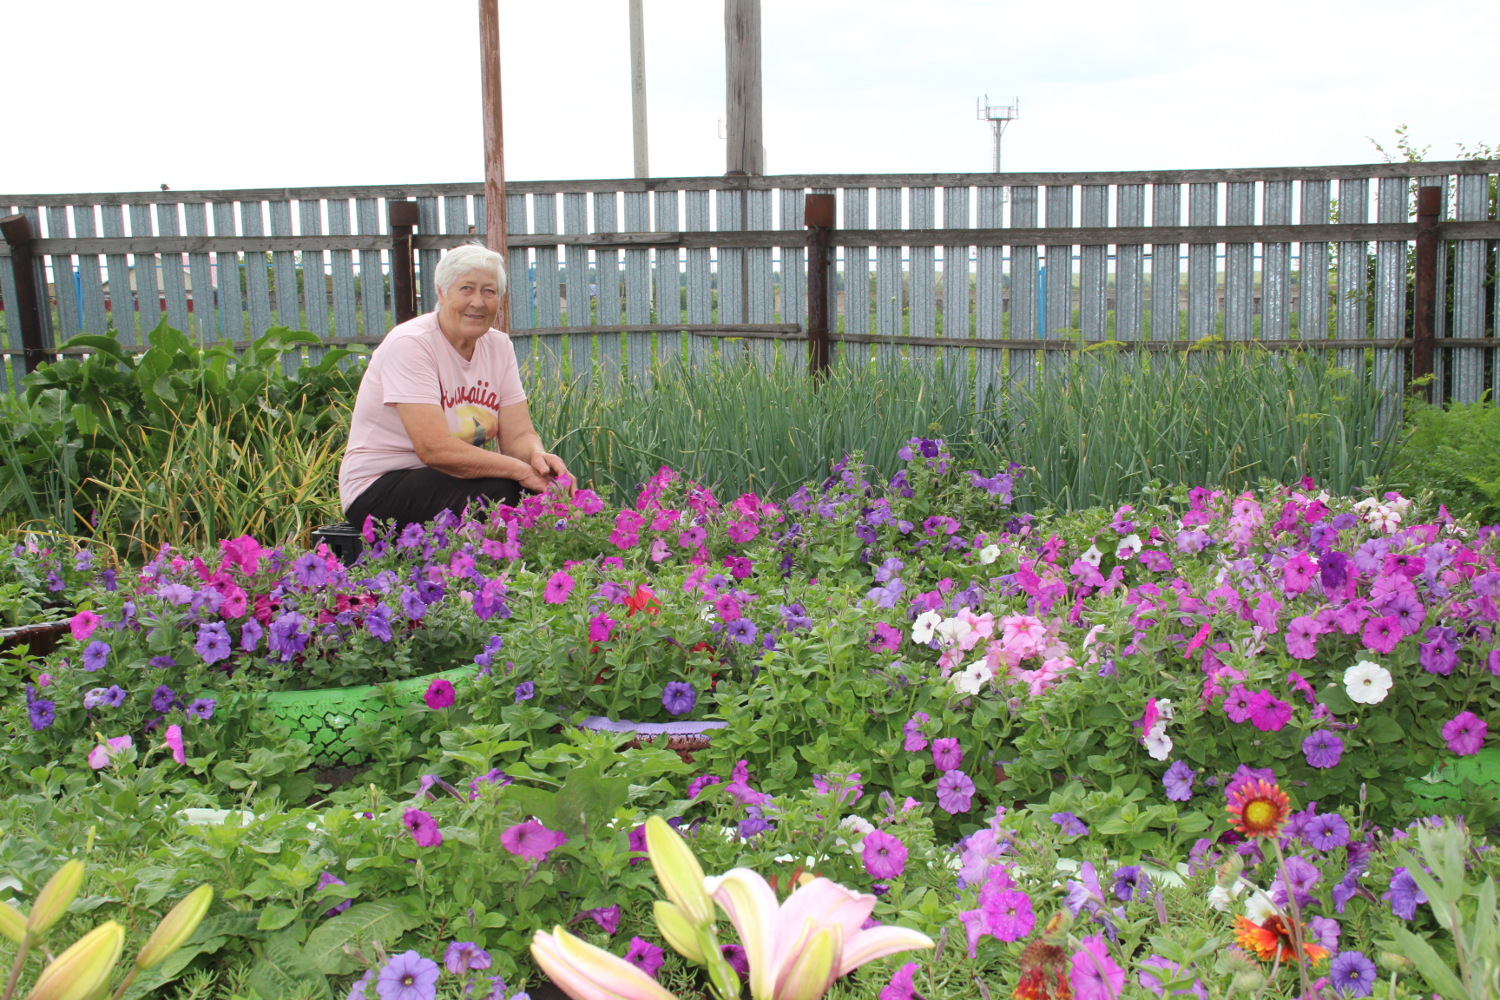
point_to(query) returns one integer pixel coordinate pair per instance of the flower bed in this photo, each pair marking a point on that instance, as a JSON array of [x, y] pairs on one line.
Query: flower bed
[[926, 695]]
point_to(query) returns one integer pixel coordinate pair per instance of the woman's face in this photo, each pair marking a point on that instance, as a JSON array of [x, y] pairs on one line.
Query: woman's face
[[467, 309]]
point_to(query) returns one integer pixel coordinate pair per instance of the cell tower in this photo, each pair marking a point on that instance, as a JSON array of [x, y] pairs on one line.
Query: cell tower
[[999, 116]]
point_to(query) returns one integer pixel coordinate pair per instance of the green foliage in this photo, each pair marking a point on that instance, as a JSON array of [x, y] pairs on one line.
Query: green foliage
[[1455, 453], [179, 443]]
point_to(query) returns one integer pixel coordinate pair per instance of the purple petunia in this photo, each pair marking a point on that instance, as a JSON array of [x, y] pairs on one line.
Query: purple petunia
[[1352, 974], [1404, 894], [1326, 831], [213, 642], [741, 630], [327, 879], [43, 711], [955, 792], [525, 691], [424, 829], [162, 699], [1071, 825], [94, 655], [1178, 781], [201, 708], [408, 976], [462, 956], [1465, 733], [678, 697], [1322, 749], [946, 754]]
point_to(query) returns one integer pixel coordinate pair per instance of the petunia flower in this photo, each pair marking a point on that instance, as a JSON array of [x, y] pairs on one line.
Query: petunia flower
[[173, 739], [1465, 733], [1322, 749], [532, 840], [439, 694], [424, 829], [1367, 683], [884, 855], [955, 791], [1093, 974], [408, 976], [101, 756]]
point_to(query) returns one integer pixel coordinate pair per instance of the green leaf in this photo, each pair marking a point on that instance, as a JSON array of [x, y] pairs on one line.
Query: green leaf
[[1382, 729], [363, 923], [1432, 966], [284, 970], [275, 917]]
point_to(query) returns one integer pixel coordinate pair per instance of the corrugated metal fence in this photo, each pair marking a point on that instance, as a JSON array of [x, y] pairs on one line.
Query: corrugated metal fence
[[609, 276]]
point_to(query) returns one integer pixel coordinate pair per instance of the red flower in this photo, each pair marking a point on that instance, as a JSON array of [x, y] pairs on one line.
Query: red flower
[[1274, 936], [644, 599]]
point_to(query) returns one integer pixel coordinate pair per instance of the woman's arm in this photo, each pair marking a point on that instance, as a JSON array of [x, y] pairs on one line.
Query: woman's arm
[[521, 456]]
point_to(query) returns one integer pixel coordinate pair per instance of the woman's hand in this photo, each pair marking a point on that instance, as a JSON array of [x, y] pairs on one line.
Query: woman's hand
[[547, 472]]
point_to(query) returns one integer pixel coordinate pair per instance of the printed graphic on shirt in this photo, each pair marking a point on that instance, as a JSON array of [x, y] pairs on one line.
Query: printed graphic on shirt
[[476, 407]]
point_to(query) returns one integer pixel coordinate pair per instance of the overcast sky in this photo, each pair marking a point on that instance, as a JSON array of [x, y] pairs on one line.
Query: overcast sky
[[110, 96]]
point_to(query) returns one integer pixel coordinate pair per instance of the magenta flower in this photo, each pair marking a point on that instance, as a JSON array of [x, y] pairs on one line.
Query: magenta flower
[[439, 694], [1465, 733], [884, 855], [1094, 975], [1302, 637], [607, 917], [901, 986], [1298, 573], [644, 956], [173, 739], [1322, 748], [955, 792], [1238, 704], [83, 624], [1269, 713], [915, 742], [532, 840], [946, 754], [559, 586], [600, 627], [1382, 634], [424, 829]]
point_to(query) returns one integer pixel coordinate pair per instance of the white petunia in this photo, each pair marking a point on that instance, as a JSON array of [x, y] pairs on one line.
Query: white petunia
[[1129, 546], [1092, 556], [953, 631], [921, 629], [1367, 683], [1158, 743], [989, 554], [972, 679]]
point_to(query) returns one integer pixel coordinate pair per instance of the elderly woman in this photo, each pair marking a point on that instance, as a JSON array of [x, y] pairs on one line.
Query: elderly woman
[[441, 420]]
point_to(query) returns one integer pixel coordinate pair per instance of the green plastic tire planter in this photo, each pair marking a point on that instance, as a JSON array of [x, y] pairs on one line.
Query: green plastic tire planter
[[327, 718], [1441, 790]]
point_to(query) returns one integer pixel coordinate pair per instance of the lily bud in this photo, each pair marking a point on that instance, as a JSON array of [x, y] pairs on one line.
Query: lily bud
[[587, 973], [678, 871], [12, 922], [176, 927], [84, 968], [55, 898], [680, 934]]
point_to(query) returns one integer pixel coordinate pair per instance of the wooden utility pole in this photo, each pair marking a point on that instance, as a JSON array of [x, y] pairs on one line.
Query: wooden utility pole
[[747, 153], [494, 145], [638, 87]]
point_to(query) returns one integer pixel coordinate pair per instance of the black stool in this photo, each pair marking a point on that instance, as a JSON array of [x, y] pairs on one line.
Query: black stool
[[344, 540]]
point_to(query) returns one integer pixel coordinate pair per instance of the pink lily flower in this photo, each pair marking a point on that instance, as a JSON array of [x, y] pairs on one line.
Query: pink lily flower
[[585, 972], [798, 948]]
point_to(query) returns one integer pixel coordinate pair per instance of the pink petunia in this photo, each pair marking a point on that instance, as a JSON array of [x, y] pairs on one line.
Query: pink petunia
[[1302, 637], [1465, 733], [532, 840], [424, 829], [1298, 573], [1094, 975], [600, 627], [1382, 634], [559, 586], [947, 754], [101, 755], [884, 855], [955, 792], [439, 694], [1269, 713], [83, 624], [173, 739]]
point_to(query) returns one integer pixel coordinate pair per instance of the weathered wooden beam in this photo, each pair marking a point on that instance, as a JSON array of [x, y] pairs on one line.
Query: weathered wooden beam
[[1425, 291], [773, 182], [31, 290], [403, 218]]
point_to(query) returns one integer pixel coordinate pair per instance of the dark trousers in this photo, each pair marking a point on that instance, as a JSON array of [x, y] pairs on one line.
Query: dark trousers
[[412, 496]]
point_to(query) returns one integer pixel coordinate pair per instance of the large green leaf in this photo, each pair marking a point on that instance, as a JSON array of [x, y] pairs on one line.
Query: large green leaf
[[284, 972], [364, 923]]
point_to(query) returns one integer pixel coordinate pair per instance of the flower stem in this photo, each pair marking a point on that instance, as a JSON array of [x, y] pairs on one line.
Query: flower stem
[[15, 968]]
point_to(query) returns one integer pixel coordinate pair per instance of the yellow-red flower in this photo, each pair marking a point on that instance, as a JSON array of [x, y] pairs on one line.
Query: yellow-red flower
[[1273, 937], [1259, 808], [1044, 973]]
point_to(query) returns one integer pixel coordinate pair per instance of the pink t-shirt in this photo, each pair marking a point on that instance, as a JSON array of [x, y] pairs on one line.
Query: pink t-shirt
[[415, 363]]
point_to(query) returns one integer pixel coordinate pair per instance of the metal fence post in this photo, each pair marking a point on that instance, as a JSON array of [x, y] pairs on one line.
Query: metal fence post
[[1429, 201], [403, 216], [36, 339], [818, 216]]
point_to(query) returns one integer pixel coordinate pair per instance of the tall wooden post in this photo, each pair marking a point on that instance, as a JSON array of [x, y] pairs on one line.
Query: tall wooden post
[[1424, 294], [638, 88], [494, 147], [747, 153], [818, 215], [29, 310], [403, 217]]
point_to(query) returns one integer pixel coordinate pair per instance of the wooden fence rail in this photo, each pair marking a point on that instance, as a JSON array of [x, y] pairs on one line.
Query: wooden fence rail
[[610, 276]]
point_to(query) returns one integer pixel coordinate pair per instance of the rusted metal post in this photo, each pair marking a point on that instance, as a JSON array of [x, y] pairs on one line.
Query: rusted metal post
[[1424, 306], [495, 226], [403, 216], [31, 286], [818, 216]]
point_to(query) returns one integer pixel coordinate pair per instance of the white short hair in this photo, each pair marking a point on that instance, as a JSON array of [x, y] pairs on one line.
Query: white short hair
[[469, 257]]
